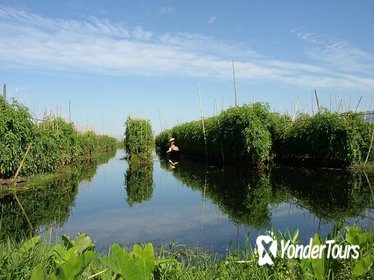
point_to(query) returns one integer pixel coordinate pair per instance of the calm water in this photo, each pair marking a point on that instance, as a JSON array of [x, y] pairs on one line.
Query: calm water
[[114, 202]]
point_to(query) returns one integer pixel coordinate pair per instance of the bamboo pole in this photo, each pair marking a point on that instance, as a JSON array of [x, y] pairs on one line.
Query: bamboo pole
[[203, 201], [22, 162], [358, 104], [317, 100], [203, 123], [295, 109], [4, 92], [233, 74], [14, 181], [370, 147], [23, 210], [330, 103], [368, 181], [69, 111], [372, 134]]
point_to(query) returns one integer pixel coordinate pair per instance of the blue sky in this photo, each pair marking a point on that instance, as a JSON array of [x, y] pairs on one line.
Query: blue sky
[[113, 59]]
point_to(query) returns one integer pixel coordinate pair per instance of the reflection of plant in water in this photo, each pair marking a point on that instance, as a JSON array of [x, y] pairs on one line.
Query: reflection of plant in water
[[330, 195], [246, 196], [49, 199], [139, 181]]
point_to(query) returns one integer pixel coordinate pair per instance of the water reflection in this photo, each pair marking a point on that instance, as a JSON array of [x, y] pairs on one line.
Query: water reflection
[[330, 194], [186, 204], [49, 200], [247, 196], [139, 181]]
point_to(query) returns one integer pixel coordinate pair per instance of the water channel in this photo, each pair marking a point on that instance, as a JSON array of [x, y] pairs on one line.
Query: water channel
[[191, 204]]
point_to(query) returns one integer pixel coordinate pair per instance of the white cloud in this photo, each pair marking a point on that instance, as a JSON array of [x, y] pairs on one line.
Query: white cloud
[[40, 43], [139, 34]]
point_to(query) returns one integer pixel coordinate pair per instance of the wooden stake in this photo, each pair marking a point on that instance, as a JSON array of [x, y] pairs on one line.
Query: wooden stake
[[367, 179], [4, 92], [315, 94], [233, 74], [22, 162], [14, 181], [358, 104], [370, 147], [202, 120], [69, 111], [295, 109], [23, 210]]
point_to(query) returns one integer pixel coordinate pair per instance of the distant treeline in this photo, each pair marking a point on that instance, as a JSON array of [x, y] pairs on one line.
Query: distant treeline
[[251, 134], [54, 142]]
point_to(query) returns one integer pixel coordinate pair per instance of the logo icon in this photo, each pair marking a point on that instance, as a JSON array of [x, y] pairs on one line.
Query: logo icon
[[264, 255]]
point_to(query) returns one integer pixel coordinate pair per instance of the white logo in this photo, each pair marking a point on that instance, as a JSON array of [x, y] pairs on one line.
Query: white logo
[[264, 256], [296, 251]]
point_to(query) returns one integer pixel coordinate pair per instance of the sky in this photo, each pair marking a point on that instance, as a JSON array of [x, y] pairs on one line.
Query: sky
[[159, 60]]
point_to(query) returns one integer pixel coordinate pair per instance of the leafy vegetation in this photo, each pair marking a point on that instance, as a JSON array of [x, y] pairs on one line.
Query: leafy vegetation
[[236, 135], [138, 139], [251, 134], [54, 141], [77, 259], [162, 140], [327, 138]]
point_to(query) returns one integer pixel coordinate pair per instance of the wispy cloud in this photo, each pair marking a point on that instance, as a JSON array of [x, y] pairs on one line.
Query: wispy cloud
[[212, 20], [94, 44], [337, 53], [167, 10]]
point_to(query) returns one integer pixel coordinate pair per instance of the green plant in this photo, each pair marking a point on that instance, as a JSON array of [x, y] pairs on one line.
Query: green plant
[[327, 138], [55, 142], [16, 133], [138, 264], [76, 259], [237, 135], [68, 261], [138, 139], [251, 134], [162, 140]]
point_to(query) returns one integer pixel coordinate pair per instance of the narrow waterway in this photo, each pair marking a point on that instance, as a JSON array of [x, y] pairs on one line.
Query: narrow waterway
[[191, 204]]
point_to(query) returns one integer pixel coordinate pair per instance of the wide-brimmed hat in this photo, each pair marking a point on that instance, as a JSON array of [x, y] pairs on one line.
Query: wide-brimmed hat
[[171, 139]]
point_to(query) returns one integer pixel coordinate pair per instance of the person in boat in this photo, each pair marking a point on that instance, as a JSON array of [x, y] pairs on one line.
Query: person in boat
[[173, 146], [173, 154]]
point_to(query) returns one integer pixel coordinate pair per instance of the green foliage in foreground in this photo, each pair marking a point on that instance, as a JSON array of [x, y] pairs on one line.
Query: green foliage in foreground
[[77, 259], [138, 139], [54, 141], [252, 134]]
